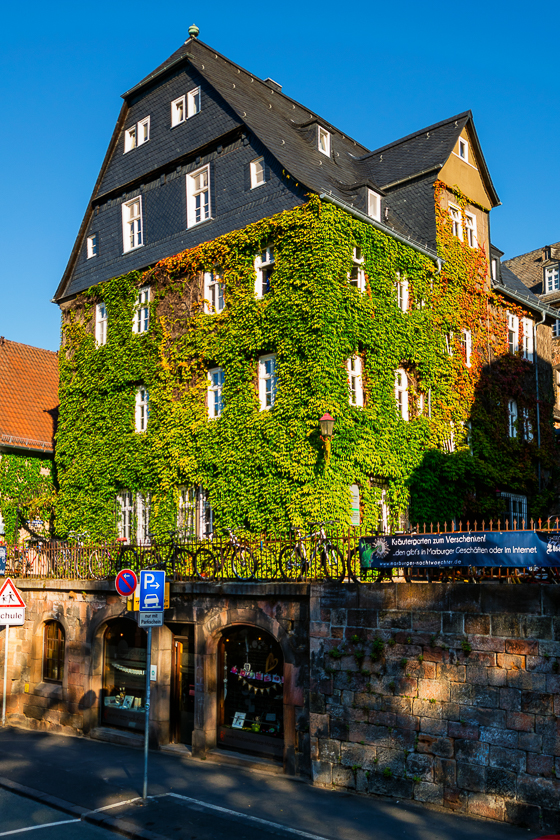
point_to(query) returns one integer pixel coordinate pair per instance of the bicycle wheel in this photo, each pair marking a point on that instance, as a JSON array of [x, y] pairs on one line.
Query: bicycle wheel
[[184, 566], [205, 564], [292, 563], [359, 573], [333, 562], [127, 558], [244, 563]]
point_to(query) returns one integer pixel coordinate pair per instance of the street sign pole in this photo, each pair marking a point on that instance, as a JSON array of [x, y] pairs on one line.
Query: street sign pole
[[7, 629], [147, 707]]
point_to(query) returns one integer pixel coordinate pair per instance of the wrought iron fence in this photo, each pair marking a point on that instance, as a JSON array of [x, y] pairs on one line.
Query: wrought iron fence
[[323, 553]]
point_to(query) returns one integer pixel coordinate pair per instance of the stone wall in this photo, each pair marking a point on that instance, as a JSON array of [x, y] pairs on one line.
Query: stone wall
[[446, 694]]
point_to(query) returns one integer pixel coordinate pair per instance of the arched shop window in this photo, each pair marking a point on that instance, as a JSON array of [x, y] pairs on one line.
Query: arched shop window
[[124, 675], [53, 652], [252, 687]]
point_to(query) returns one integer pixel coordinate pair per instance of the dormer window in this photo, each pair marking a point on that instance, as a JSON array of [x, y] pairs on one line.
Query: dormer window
[[324, 142], [552, 278], [374, 205], [463, 149]]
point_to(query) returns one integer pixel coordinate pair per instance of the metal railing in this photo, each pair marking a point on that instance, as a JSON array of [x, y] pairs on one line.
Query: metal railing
[[296, 556]]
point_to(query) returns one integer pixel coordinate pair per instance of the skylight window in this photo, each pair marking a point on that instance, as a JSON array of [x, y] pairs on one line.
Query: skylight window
[[324, 141]]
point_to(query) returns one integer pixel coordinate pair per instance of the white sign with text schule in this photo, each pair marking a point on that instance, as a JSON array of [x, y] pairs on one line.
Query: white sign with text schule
[[12, 608]]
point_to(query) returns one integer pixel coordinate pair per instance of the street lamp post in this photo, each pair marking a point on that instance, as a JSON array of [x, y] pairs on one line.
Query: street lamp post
[[327, 426]]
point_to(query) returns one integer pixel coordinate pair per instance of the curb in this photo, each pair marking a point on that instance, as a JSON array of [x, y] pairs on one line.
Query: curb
[[113, 824]]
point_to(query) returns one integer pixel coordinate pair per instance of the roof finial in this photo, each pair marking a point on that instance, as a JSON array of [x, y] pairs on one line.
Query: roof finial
[[193, 30]]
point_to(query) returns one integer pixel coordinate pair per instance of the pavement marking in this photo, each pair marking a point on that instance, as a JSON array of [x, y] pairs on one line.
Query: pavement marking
[[114, 805], [286, 829], [33, 827]]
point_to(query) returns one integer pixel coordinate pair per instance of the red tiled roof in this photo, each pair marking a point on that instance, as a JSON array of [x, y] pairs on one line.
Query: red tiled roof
[[28, 396]]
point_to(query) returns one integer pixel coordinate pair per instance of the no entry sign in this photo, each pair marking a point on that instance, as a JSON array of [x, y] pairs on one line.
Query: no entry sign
[[126, 582]]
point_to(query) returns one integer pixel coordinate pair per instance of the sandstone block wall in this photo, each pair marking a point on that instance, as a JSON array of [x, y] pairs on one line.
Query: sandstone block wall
[[447, 694]]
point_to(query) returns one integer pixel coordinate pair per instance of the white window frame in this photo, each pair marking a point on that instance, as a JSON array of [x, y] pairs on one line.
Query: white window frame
[[264, 270], [324, 141], [401, 392], [141, 409], [101, 324], [449, 343], [91, 243], [456, 220], [402, 293], [257, 173], [526, 425], [125, 502], [528, 339], [470, 228], [205, 210], [194, 102], [216, 379], [357, 275], [556, 328], [466, 341], [141, 317], [513, 332], [517, 508], [130, 138], [143, 134], [494, 269], [143, 509], [552, 278], [178, 111], [354, 370], [214, 300], [512, 418], [464, 152], [268, 381], [374, 205], [195, 517], [133, 228]]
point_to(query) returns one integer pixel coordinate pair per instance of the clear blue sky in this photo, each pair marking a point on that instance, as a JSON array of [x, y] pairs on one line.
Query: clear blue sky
[[378, 71]]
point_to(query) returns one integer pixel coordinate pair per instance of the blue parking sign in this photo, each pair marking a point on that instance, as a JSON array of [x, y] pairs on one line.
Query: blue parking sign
[[152, 591]]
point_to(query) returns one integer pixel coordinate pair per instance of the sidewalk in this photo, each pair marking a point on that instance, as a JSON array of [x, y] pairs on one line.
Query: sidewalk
[[93, 775]]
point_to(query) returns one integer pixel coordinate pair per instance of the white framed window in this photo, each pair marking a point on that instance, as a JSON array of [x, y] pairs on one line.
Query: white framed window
[[198, 196], [141, 319], [143, 518], [512, 419], [456, 221], [527, 425], [552, 278], [449, 343], [132, 224], [466, 343], [470, 227], [556, 328], [402, 293], [178, 111], [374, 205], [143, 131], [193, 102], [215, 390], [91, 246], [268, 381], [355, 381], [142, 409], [101, 324], [494, 269], [130, 139], [213, 292], [186, 511], [448, 443], [464, 149], [420, 404], [401, 392], [124, 514], [257, 172], [357, 275], [264, 269], [324, 141], [516, 509], [513, 332], [528, 327]]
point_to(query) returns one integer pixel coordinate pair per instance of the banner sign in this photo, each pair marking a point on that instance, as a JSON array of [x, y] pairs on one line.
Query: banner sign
[[475, 548]]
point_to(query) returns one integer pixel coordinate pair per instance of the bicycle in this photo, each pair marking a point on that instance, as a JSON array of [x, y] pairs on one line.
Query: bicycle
[[179, 561], [296, 563], [208, 563]]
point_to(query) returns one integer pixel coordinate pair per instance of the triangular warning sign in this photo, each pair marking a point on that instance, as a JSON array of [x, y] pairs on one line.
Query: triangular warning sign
[[9, 595]]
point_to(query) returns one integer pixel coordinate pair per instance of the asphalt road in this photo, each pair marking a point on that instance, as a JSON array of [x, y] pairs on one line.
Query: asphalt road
[[200, 800], [19, 815]]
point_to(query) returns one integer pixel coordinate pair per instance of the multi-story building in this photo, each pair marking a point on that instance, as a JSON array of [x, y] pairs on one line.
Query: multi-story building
[[244, 267]]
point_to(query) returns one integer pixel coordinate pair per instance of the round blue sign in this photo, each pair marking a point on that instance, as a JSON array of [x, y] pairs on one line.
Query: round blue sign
[[126, 582]]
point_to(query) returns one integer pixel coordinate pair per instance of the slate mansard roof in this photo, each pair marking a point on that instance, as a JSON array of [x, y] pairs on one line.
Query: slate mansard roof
[[28, 398], [403, 172]]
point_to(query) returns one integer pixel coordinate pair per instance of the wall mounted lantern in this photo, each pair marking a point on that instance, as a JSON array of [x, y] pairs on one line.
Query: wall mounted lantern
[[327, 427]]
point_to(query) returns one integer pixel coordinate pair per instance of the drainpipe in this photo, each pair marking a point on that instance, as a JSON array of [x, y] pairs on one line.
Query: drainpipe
[[536, 356]]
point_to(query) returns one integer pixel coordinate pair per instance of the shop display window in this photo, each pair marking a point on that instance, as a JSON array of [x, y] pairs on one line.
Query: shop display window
[[252, 683], [124, 675]]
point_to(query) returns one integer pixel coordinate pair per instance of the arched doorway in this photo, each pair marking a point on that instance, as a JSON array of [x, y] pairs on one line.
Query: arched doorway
[[124, 675], [251, 692]]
